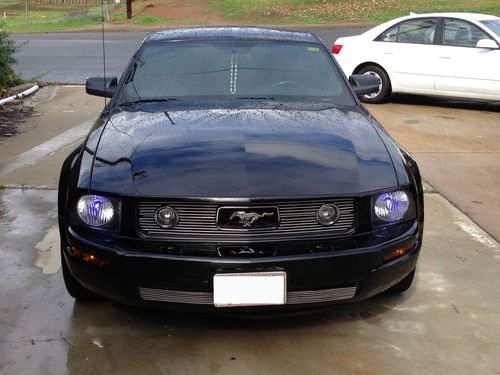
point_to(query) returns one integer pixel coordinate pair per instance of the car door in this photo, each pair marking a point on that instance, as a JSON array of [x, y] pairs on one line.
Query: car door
[[407, 51], [464, 69]]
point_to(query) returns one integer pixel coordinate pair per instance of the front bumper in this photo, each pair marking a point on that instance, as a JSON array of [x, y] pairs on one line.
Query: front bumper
[[177, 281]]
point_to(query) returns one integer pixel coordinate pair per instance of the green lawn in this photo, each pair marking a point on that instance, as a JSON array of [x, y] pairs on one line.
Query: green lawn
[[58, 17], [327, 11], [120, 18], [54, 17], [47, 17]]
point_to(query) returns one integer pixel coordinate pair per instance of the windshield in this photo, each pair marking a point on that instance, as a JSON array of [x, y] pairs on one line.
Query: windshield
[[493, 25], [230, 70]]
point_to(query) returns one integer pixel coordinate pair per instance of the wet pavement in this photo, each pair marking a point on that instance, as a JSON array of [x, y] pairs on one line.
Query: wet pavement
[[62, 117], [447, 322]]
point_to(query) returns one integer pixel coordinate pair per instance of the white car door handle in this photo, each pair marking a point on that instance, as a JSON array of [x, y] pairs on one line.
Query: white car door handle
[[445, 57], [388, 53]]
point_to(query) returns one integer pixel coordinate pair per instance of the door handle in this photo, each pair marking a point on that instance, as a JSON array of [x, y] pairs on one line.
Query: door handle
[[388, 53], [445, 57]]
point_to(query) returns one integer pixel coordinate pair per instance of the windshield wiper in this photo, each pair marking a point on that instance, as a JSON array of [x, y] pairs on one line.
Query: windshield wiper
[[142, 101]]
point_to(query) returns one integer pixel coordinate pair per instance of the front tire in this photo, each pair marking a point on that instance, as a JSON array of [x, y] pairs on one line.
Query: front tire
[[74, 288], [385, 88]]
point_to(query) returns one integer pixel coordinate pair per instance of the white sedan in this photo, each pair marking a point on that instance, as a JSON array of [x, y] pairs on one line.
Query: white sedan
[[443, 54]]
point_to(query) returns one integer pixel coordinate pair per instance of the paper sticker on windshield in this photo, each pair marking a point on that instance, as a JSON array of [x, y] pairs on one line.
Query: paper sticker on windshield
[[313, 49]]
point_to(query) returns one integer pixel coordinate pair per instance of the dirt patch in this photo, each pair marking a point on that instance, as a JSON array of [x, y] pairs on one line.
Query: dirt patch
[[345, 10], [185, 12], [11, 119]]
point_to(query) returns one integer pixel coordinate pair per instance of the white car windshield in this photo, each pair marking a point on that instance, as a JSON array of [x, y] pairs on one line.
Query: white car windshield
[[493, 25]]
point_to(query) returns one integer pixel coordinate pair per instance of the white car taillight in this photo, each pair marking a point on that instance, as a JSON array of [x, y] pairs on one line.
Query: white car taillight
[[336, 48]]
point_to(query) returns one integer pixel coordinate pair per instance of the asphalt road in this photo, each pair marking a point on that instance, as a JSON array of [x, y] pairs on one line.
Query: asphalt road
[[71, 57]]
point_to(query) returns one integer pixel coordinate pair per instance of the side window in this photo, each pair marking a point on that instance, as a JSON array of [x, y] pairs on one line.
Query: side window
[[462, 34], [390, 35], [419, 31]]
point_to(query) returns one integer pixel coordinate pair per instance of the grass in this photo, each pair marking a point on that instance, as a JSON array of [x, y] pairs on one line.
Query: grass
[[140, 19], [57, 17], [42, 18], [328, 11], [429, 189]]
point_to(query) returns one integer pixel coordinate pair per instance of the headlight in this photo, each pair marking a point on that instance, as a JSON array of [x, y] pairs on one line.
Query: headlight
[[392, 206], [96, 210]]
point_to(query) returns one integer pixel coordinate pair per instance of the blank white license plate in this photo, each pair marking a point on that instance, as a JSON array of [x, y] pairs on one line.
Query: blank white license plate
[[249, 289]]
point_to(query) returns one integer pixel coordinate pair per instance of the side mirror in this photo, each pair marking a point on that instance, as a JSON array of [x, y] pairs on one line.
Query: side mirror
[[101, 86], [487, 43], [364, 84]]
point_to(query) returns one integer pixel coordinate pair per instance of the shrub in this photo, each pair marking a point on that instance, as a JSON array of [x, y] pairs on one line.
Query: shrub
[[7, 49]]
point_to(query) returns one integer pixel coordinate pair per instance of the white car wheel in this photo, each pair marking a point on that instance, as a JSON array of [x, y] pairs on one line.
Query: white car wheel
[[384, 84], [374, 95]]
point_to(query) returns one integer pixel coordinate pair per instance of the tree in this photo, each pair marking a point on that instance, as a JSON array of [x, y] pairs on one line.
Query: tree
[[8, 48]]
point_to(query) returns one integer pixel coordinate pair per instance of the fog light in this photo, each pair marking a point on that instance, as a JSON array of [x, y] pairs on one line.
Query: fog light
[[88, 258], [327, 214], [166, 217]]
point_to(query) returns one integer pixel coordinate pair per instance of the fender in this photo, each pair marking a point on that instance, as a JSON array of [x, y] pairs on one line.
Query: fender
[[62, 194]]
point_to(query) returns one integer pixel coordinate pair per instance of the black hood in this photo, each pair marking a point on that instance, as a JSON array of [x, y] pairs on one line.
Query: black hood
[[241, 154]]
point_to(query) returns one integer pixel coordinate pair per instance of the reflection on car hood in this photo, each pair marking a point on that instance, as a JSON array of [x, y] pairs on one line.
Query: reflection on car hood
[[241, 153]]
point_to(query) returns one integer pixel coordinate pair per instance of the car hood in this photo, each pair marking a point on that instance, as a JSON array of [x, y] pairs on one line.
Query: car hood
[[241, 154]]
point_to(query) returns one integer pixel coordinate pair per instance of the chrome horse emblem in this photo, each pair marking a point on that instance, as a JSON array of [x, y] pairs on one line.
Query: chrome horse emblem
[[248, 219]]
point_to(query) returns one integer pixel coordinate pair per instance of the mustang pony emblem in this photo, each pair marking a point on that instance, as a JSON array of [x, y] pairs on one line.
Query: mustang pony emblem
[[248, 219]]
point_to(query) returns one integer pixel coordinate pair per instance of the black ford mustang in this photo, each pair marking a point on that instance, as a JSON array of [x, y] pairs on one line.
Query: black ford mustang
[[235, 168]]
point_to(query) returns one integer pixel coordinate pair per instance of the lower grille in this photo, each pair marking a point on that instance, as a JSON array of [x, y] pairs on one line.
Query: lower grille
[[206, 298], [198, 221]]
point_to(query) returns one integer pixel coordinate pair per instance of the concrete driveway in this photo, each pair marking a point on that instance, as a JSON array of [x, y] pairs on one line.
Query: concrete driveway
[[446, 323], [457, 147]]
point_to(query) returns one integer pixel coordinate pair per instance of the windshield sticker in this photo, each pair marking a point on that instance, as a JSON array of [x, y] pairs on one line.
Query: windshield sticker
[[313, 49]]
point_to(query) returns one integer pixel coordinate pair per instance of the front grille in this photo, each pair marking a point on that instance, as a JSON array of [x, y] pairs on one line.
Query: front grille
[[197, 221], [207, 298]]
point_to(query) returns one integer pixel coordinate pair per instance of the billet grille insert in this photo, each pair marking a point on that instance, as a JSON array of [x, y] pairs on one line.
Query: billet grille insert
[[206, 298], [197, 221]]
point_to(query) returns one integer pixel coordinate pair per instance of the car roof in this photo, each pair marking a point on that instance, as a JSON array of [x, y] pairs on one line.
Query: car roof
[[468, 16], [237, 33]]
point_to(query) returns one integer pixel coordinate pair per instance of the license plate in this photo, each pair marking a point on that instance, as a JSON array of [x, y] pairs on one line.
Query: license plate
[[249, 289]]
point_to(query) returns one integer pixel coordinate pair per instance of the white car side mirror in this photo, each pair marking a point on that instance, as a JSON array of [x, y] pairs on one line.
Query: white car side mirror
[[487, 43]]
